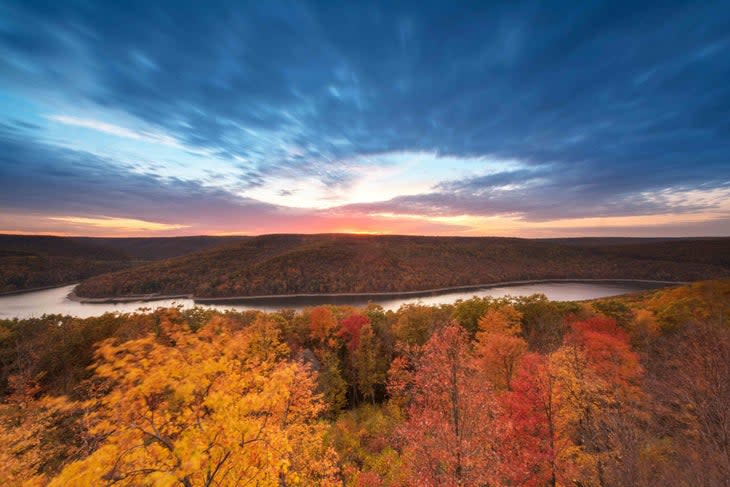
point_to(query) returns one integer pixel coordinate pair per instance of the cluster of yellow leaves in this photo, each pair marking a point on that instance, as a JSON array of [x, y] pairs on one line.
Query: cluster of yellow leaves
[[503, 320], [22, 429], [209, 408], [698, 302], [363, 439]]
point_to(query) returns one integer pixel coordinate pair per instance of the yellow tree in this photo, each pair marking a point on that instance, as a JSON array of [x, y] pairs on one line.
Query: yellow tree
[[505, 320], [499, 348], [212, 408], [598, 386]]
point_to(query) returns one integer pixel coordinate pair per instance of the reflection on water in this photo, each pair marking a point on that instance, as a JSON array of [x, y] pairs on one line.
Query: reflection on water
[[53, 301]]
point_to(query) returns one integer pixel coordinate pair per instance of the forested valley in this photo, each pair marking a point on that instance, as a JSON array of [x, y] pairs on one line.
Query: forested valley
[[627, 391]]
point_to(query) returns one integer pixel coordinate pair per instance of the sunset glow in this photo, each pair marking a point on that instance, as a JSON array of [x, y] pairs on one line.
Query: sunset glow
[[375, 119]]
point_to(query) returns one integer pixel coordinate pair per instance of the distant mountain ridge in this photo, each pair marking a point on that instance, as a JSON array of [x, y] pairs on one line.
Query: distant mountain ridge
[[338, 263]]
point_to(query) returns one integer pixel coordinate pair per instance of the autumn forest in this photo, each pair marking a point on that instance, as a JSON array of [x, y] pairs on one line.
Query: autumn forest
[[625, 391], [401, 243]]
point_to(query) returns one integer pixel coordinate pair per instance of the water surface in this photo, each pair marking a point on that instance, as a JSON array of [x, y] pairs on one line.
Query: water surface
[[51, 301]]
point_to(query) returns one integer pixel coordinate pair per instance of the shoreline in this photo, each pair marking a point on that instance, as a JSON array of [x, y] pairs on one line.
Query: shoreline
[[34, 289], [140, 298], [388, 294]]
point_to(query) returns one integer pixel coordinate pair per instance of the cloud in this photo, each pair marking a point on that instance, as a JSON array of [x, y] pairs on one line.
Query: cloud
[[46, 188], [39, 177], [114, 130], [607, 84], [610, 109], [551, 194], [117, 224]]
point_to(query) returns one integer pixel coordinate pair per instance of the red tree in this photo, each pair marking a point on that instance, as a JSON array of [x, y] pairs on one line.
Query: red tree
[[608, 352], [528, 436], [350, 330], [450, 432]]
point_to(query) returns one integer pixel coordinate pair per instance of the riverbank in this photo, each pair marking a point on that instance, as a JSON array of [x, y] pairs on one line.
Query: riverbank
[[375, 295], [137, 298], [34, 289]]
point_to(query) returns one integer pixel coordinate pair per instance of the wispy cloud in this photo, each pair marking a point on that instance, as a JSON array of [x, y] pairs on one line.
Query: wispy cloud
[[116, 130], [118, 224], [509, 112]]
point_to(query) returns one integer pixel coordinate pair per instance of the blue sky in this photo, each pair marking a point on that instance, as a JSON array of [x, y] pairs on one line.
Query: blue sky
[[474, 118]]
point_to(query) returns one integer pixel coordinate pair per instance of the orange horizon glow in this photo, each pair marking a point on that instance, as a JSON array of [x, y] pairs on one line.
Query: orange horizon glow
[[380, 223]]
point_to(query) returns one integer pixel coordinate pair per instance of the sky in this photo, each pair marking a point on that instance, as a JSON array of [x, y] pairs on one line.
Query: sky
[[528, 119]]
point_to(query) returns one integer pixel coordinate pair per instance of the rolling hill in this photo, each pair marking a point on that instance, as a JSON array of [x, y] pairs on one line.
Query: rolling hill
[[332, 263], [32, 261]]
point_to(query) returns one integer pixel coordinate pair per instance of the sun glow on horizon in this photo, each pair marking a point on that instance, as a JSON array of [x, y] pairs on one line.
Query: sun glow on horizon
[[361, 232], [119, 224]]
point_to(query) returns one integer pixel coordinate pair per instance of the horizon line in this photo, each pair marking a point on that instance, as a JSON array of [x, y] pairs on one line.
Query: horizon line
[[357, 234]]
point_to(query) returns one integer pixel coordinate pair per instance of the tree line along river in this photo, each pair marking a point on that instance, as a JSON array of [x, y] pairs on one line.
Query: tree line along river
[[55, 301]]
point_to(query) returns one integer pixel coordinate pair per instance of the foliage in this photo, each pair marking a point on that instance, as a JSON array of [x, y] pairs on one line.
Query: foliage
[[32, 432], [290, 264], [213, 408], [628, 391], [32, 261], [362, 438], [529, 444], [449, 434]]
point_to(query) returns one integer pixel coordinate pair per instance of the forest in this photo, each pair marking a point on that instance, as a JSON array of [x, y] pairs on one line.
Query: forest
[[523, 391], [34, 261], [339, 263]]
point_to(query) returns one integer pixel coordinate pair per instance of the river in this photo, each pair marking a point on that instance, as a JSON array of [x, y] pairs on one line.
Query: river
[[55, 301]]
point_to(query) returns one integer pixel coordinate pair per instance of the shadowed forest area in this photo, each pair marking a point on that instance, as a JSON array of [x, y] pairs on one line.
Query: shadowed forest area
[[627, 391], [32, 261], [339, 263]]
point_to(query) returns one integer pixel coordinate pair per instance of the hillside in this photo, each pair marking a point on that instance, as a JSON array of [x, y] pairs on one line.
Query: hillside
[[289, 264], [31, 261], [154, 248]]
